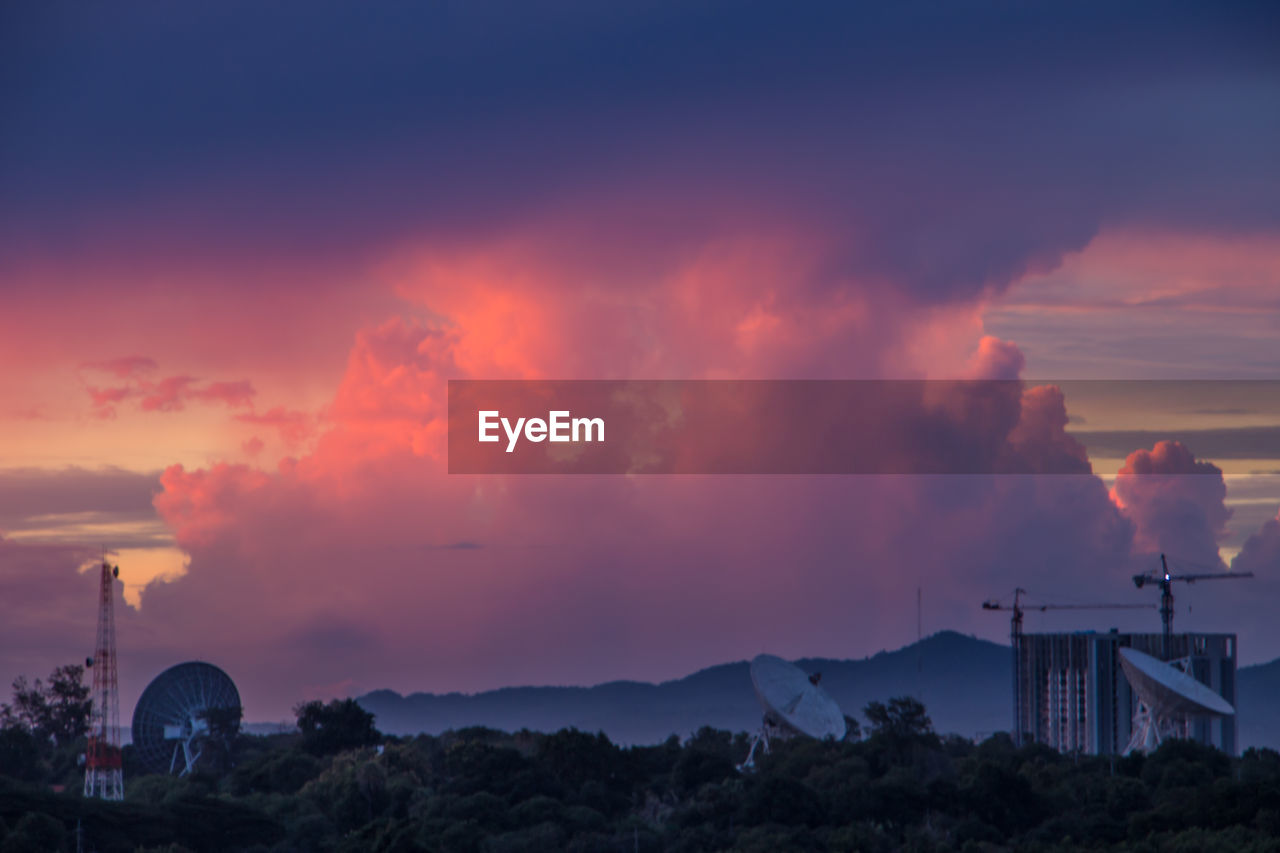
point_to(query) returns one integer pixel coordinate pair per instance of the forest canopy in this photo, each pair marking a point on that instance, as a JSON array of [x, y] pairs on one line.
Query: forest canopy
[[337, 784]]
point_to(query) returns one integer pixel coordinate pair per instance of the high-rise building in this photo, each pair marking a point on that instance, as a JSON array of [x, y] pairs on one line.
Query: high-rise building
[[1073, 696]]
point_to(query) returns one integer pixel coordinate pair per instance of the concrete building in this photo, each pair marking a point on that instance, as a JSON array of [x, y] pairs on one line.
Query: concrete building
[[1071, 694]]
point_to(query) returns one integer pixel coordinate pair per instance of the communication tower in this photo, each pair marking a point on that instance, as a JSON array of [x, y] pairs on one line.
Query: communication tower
[[103, 772]]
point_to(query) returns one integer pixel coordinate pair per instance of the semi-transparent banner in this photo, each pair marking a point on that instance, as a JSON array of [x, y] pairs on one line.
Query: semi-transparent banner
[[848, 426]]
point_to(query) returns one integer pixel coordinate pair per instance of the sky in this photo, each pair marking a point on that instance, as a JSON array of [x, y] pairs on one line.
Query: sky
[[243, 248]]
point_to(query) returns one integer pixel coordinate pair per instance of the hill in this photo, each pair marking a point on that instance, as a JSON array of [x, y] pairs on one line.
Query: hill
[[965, 681], [1258, 705]]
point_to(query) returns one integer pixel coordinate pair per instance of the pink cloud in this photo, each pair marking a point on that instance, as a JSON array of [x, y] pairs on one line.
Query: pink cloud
[[106, 396], [200, 504], [569, 577], [104, 400], [170, 394], [233, 394], [294, 426], [1176, 501], [167, 395], [349, 547], [996, 359], [124, 367]]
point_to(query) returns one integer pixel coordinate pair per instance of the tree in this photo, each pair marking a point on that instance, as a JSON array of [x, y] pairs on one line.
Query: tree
[[903, 718], [69, 704], [342, 724], [36, 832], [19, 754], [57, 712], [28, 709]]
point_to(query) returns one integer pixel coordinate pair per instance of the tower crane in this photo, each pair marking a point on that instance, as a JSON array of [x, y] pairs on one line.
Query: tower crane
[[1165, 581], [1018, 608]]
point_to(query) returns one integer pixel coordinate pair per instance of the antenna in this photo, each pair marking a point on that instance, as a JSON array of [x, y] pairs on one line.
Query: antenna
[[1015, 639], [104, 773], [794, 704], [1165, 580], [184, 709], [1168, 700]]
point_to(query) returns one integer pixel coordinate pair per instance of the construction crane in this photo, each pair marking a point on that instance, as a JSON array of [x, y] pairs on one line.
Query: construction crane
[[1015, 638], [1018, 608], [1165, 580]]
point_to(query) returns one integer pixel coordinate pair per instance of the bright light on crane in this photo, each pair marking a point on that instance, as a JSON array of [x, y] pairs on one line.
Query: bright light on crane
[[1166, 581]]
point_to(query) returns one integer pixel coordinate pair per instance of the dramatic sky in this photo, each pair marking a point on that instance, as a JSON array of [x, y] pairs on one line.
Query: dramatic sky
[[243, 246]]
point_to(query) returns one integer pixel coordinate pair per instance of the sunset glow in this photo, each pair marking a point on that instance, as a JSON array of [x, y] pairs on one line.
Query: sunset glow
[[231, 309]]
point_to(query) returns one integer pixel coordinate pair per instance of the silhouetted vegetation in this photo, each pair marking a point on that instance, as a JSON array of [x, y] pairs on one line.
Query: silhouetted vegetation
[[43, 727], [342, 724], [57, 712], [338, 785]]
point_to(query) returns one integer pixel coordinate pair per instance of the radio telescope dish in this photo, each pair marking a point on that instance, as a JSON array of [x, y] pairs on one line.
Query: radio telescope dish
[[793, 704], [1168, 699], [173, 717]]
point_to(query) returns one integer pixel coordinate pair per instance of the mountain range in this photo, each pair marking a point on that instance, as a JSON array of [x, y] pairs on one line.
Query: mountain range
[[964, 682]]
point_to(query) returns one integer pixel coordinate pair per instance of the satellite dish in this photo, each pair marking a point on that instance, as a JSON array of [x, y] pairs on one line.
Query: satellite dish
[[1168, 699], [793, 698], [171, 721], [793, 704]]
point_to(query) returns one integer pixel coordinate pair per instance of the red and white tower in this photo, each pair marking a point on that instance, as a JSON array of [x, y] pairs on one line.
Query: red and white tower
[[103, 773]]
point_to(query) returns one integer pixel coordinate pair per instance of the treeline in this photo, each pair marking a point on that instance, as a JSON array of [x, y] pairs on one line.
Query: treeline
[[338, 785]]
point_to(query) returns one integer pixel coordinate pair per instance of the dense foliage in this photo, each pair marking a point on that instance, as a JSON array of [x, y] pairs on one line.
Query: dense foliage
[[901, 788], [57, 711]]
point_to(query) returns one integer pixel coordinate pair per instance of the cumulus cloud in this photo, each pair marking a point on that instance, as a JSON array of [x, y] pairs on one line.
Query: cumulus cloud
[[1176, 501], [353, 545], [1261, 552], [692, 216], [572, 575]]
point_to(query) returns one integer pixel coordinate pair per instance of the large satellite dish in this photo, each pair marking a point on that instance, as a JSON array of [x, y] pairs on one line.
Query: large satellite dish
[[793, 704], [1168, 699], [172, 718]]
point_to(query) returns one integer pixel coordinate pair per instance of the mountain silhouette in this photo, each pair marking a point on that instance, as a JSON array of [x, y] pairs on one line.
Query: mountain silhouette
[[964, 682]]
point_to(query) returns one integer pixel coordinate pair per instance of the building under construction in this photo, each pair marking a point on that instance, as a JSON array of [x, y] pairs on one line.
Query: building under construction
[[1070, 693]]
